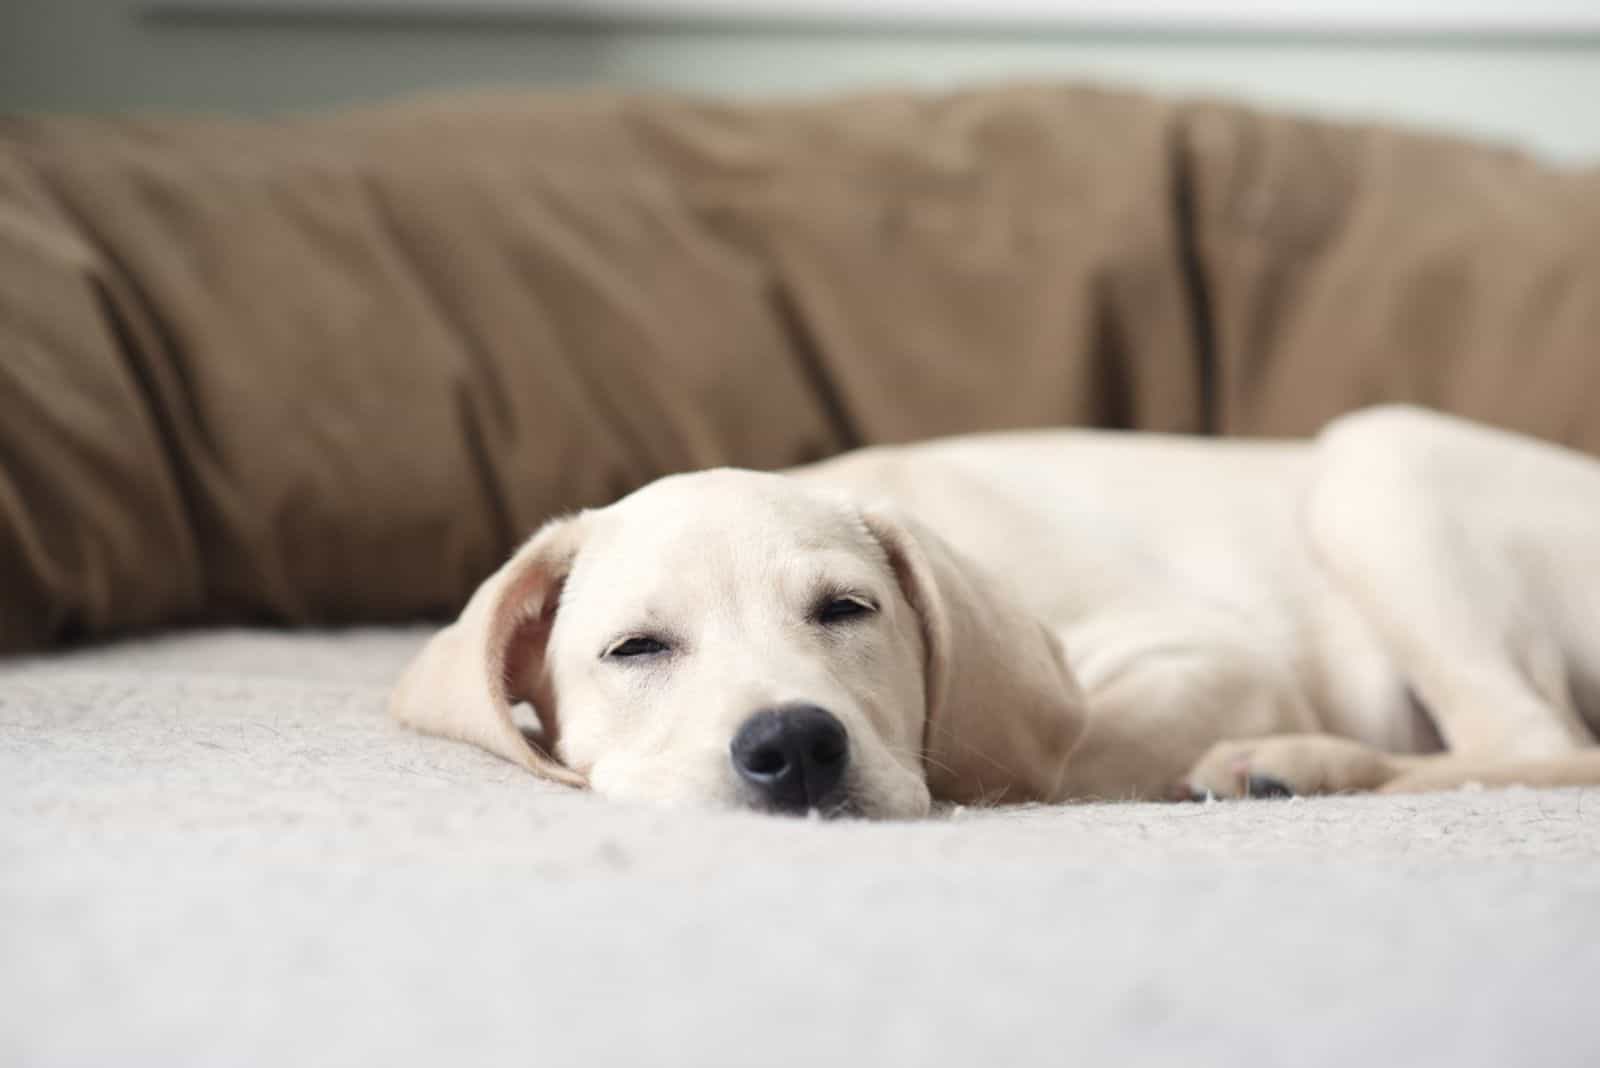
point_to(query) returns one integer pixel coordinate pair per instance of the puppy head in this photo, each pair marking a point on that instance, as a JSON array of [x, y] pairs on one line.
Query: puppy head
[[751, 640]]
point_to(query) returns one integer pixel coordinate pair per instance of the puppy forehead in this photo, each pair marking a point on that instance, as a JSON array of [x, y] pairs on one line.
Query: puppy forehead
[[725, 529], [748, 509]]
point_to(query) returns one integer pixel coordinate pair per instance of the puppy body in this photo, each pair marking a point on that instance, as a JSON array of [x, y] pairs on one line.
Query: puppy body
[[1178, 577], [1406, 602]]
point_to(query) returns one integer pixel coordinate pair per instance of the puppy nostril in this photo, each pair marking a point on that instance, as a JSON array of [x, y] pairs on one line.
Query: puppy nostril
[[766, 761], [828, 751]]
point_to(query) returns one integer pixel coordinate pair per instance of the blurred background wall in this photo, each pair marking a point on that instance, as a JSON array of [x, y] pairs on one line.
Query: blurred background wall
[[1527, 72]]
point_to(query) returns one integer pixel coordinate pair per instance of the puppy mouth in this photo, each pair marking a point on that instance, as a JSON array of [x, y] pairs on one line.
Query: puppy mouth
[[846, 806]]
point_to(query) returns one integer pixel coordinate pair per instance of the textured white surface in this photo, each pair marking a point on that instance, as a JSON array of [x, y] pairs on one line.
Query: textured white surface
[[215, 850]]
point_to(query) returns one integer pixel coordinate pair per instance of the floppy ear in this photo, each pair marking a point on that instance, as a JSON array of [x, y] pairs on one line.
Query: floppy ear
[[1003, 708], [466, 679]]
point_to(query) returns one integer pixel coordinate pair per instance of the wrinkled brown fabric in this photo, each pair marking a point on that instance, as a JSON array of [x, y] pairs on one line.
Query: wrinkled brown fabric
[[330, 370], [1352, 265]]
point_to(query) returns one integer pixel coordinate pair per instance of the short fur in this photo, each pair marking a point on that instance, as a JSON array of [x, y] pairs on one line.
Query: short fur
[[1408, 602]]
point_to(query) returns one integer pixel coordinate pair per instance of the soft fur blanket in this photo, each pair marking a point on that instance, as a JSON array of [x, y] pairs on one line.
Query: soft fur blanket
[[215, 849]]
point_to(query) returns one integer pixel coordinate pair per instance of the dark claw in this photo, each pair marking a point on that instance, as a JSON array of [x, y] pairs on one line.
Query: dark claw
[[1266, 786]]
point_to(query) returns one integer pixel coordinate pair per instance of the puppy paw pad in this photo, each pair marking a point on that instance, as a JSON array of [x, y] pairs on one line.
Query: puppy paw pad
[[1258, 785]]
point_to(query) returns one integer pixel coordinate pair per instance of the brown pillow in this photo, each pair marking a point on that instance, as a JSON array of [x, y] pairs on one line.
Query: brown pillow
[[287, 386], [331, 370], [1347, 265], [94, 531]]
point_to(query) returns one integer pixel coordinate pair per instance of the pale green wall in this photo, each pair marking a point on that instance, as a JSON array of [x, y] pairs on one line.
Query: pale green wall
[[98, 55]]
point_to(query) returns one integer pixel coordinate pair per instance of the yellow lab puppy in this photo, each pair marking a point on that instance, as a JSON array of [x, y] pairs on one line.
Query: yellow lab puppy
[[1407, 602]]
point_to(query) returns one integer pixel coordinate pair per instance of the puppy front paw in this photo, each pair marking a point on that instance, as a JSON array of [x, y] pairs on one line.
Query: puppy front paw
[[1287, 766], [1229, 770]]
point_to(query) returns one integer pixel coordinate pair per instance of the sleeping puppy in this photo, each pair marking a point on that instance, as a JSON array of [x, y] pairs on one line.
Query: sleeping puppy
[[1407, 602]]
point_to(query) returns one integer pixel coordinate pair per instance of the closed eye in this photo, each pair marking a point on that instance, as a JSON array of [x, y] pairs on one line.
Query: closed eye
[[640, 645], [843, 609]]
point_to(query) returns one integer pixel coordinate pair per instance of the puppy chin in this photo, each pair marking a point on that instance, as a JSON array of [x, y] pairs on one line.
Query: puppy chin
[[883, 787], [898, 795], [907, 799]]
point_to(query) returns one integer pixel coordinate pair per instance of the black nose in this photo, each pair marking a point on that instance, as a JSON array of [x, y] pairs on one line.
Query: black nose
[[795, 757]]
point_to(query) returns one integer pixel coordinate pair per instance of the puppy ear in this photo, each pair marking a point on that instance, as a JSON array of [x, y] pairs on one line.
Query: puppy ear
[[1003, 708], [466, 679]]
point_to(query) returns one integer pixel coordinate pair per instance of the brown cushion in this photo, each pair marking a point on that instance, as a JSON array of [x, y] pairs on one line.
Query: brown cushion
[[1350, 265], [984, 261], [94, 531], [330, 370]]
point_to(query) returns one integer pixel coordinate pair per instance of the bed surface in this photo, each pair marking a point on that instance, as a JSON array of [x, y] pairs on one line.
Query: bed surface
[[214, 848]]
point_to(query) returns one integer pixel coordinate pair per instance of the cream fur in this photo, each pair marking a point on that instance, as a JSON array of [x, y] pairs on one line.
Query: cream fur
[[1408, 601]]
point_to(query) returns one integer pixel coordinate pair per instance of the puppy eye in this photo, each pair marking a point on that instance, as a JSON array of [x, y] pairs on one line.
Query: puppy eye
[[636, 646], [843, 609]]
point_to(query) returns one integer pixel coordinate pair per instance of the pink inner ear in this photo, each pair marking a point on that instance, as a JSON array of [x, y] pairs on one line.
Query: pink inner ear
[[523, 655]]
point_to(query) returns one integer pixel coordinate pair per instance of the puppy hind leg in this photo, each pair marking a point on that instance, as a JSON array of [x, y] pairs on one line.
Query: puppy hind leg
[[1305, 764], [1444, 535], [1448, 771]]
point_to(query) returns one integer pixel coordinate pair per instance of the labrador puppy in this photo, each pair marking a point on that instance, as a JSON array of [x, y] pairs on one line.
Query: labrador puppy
[[1407, 602]]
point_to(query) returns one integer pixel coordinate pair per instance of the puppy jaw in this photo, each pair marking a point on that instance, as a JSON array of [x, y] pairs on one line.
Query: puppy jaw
[[707, 779]]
